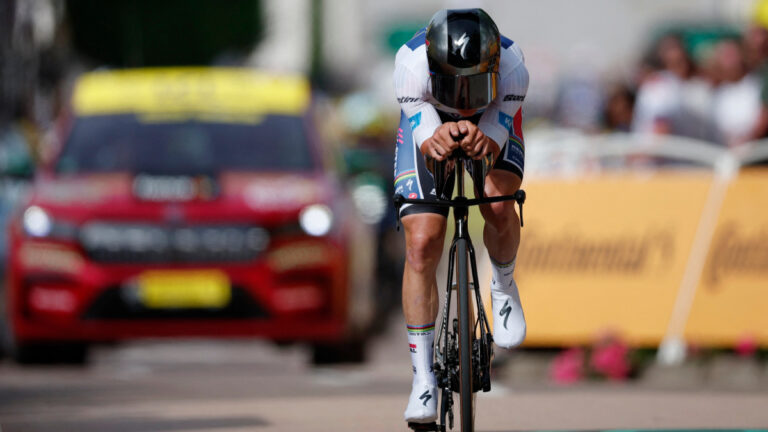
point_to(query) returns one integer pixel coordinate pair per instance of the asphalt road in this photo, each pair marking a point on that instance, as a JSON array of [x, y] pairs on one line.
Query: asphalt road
[[233, 386]]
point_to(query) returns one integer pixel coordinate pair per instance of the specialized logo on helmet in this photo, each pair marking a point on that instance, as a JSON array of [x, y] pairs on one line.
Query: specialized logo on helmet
[[460, 45]]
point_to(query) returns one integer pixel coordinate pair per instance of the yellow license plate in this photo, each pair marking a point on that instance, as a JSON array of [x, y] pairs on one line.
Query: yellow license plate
[[163, 289]]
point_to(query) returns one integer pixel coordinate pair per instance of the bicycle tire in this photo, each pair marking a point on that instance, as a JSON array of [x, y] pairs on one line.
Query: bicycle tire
[[466, 336]]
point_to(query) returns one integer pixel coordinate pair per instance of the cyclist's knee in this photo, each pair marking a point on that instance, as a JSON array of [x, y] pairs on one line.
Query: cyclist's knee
[[501, 215], [423, 251], [424, 235]]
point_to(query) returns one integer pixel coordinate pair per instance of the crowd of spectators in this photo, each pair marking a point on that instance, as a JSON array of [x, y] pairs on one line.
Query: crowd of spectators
[[719, 95]]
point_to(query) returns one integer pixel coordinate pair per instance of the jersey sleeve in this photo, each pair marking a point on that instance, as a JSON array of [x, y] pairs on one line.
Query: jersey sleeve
[[498, 117], [411, 92]]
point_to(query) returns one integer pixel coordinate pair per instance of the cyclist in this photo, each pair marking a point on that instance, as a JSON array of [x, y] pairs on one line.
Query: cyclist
[[457, 77]]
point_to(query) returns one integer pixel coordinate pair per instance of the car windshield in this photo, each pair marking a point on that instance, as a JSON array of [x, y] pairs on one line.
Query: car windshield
[[124, 143]]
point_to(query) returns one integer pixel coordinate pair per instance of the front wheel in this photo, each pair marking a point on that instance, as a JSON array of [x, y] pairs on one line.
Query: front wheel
[[466, 339]]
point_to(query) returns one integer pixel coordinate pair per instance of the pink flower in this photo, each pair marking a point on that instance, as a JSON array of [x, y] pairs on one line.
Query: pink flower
[[610, 358], [568, 366], [746, 346]]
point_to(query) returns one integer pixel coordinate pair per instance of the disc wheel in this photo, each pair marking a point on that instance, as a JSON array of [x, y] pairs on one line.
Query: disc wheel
[[466, 340]]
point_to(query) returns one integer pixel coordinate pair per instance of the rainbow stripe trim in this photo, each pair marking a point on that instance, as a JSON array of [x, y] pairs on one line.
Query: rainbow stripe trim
[[404, 175], [517, 141], [421, 329], [502, 265]]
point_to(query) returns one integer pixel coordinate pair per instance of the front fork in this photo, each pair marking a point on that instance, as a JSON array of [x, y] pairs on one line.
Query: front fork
[[446, 352]]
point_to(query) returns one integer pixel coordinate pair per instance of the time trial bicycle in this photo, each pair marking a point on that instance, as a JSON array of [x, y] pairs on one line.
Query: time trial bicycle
[[464, 345]]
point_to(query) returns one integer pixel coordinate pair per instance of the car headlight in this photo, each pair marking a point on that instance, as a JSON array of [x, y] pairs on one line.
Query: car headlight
[[316, 220], [37, 222]]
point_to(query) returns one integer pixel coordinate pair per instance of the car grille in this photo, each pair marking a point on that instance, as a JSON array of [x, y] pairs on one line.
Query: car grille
[[111, 304], [144, 243]]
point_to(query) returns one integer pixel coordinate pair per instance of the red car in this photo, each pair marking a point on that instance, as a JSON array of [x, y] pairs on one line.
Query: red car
[[188, 202]]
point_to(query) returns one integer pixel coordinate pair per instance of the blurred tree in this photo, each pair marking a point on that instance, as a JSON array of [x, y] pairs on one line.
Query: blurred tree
[[317, 69], [7, 10], [160, 33]]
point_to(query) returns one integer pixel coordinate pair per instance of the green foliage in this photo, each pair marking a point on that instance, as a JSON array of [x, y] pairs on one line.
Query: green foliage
[[163, 33]]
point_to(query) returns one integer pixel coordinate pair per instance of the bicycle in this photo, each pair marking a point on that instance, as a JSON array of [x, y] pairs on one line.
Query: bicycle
[[463, 352]]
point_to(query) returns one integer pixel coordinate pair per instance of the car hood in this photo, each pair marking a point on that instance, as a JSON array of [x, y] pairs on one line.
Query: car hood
[[228, 196]]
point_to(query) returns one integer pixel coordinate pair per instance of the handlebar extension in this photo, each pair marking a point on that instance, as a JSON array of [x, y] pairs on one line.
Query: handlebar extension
[[519, 196]]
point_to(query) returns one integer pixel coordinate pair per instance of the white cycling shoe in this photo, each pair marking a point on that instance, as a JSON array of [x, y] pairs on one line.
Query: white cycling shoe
[[422, 404], [508, 319]]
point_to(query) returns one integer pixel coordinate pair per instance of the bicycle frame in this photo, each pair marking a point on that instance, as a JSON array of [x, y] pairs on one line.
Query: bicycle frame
[[474, 354]]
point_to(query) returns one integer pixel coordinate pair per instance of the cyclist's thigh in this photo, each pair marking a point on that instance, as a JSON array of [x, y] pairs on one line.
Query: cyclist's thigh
[[412, 179], [501, 182]]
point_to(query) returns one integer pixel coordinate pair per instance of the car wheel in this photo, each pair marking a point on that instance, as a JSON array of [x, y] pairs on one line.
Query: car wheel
[[345, 352], [4, 345], [6, 339], [50, 353]]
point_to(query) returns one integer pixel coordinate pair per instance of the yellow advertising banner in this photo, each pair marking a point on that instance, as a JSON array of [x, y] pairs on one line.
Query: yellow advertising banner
[[606, 254], [731, 302]]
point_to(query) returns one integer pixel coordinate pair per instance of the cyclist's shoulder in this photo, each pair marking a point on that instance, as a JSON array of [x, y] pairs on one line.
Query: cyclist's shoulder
[[413, 54], [419, 39], [511, 56], [416, 47]]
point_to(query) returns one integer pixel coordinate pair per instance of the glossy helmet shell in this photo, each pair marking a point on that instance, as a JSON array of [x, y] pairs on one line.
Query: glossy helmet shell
[[463, 51]]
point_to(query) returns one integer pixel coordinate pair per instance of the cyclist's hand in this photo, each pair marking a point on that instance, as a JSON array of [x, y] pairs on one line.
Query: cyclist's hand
[[475, 143], [442, 142], [488, 146]]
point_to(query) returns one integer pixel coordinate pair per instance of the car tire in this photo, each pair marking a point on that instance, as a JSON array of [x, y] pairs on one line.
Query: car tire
[[346, 352], [39, 353], [6, 339], [72, 353]]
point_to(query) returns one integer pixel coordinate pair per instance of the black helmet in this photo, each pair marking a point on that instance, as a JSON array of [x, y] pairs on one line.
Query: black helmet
[[463, 53]]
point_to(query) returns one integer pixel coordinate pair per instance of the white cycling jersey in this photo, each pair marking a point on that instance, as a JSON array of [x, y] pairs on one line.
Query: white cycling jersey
[[414, 92], [422, 114]]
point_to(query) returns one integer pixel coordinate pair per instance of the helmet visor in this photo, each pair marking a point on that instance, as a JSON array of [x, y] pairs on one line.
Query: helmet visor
[[464, 91]]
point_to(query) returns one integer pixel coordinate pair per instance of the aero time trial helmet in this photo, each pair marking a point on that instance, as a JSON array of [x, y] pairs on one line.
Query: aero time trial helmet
[[463, 53]]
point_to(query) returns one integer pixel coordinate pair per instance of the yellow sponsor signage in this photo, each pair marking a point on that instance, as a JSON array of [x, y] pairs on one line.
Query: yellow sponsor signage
[[606, 254], [167, 93], [731, 302]]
